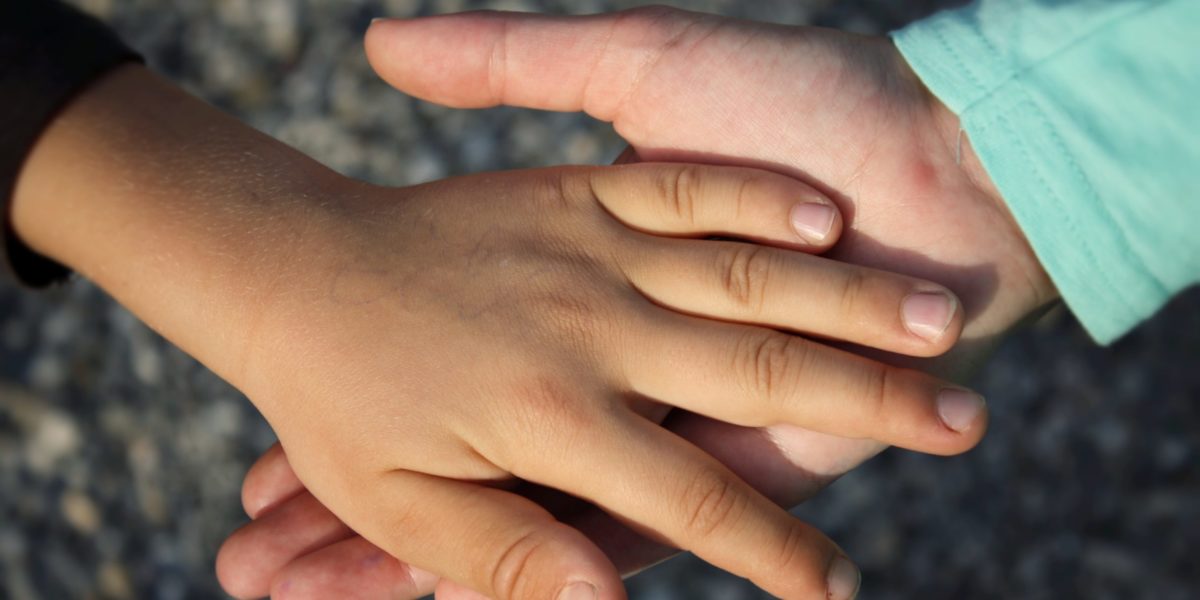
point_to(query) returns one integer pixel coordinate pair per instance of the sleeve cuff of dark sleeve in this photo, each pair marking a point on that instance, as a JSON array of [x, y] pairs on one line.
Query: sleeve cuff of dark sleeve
[[49, 52]]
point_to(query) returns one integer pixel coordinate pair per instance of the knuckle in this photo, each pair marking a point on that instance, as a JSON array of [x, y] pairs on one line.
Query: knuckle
[[566, 189], [547, 403], [578, 319], [497, 65], [539, 411], [795, 551], [654, 14], [741, 199], [745, 270], [680, 192], [853, 291], [879, 382], [769, 363], [711, 501], [514, 570]]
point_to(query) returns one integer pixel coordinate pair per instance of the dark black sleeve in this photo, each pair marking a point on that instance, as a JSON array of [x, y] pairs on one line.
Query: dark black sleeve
[[48, 53]]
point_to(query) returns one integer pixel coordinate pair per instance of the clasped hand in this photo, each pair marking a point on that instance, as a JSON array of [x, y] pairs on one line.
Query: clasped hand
[[537, 325]]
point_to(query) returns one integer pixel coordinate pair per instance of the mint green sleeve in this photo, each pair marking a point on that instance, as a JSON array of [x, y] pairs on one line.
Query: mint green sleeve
[[1086, 115]]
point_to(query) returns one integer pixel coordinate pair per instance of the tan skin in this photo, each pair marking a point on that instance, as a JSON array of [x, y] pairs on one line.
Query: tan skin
[[414, 348], [841, 111]]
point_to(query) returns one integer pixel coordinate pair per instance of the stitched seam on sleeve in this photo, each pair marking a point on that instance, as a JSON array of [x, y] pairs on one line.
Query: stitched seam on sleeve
[[1094, 197], [979, 90], [1072, 227], [1066, 47]]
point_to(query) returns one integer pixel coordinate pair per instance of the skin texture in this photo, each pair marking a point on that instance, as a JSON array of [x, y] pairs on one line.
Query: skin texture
[[840, 111], [419, 349]]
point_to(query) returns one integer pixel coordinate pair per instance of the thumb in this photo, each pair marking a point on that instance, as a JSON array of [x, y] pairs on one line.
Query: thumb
[[481, 59]]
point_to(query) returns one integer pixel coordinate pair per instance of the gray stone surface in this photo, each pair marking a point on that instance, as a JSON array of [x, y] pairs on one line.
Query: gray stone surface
[[121, 458]]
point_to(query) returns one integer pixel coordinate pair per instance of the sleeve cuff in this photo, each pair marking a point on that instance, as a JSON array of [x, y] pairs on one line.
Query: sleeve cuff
[[49, 52], [1026, 140]]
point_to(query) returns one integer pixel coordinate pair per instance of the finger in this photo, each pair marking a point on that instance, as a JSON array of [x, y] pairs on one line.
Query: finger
[[495, 542], [785, 463], [449, 590], [697, 201], [671, 490], [353, 569], [481, 59], [750, 283], [755, 376], [250, 558], [269, 482]]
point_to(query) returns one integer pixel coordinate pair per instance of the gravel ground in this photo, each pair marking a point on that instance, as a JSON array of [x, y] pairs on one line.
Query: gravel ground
[[121, 457]]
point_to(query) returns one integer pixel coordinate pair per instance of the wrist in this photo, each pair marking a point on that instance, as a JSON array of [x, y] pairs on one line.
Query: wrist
[[957, 143], [175, 209]]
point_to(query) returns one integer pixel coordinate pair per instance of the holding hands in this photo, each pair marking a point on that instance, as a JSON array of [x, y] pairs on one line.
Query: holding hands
[[417, 348], [648, 322], [529, 384], [520, 325]]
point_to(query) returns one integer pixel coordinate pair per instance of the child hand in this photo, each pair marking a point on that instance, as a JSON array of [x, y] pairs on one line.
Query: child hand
[[510, 325], [403, 342]]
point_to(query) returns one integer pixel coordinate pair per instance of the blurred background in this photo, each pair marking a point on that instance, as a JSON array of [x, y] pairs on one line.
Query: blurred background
[[121, 458]]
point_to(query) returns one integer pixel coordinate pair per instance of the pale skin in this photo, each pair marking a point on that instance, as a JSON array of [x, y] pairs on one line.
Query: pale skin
[[841, 111], [417, 348]]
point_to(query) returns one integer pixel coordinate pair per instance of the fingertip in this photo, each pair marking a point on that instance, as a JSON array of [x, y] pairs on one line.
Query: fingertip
[[413, 56], [234, 573], [269, 482], [843, 580], [351, 568], [376, 43], [955, 421], [577, 569], [963, 412], [816, 224], [813, 223], [933, 319]]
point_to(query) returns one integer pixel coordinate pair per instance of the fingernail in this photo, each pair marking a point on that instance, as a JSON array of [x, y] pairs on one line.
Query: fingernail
[[959, 408], [813, 221], [928, 314], [580, 590], [844, 579]]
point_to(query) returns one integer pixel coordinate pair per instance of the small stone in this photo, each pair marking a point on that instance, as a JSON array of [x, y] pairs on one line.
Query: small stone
[[582, 148], [153, 503], [99, 8], [114, 581], [143, 456], [47, 372], [80, 511], [222, 418], [12, 545], [55, 436], [147, 361]]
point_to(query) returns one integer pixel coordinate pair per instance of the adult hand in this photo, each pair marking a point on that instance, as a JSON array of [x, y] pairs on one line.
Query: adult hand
[[839, 110]]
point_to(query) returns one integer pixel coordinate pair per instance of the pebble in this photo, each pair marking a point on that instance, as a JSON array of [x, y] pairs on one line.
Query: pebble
[[80, 511]]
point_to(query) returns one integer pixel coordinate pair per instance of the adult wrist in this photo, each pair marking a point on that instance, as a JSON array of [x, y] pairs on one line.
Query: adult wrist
[[957, 143]]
